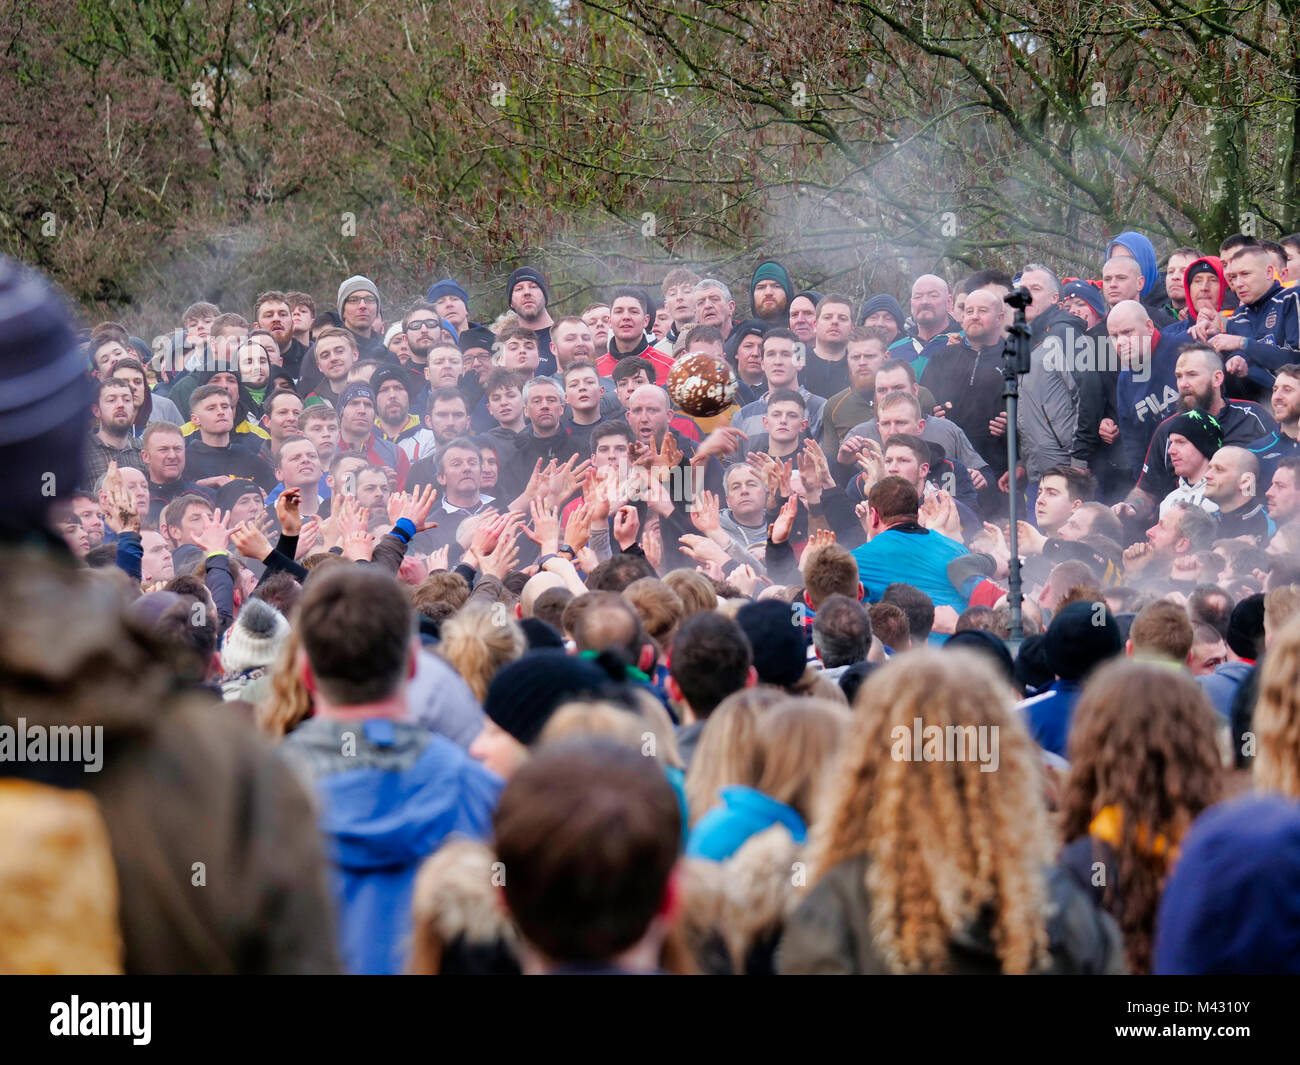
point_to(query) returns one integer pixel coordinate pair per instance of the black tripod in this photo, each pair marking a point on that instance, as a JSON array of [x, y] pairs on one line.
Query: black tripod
[[1015, 361]]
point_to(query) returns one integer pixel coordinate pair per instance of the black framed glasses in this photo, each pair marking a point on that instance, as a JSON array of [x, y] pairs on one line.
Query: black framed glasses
[[423, 323]]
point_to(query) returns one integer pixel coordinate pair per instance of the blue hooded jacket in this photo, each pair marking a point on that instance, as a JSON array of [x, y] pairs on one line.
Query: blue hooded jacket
[[1232, 903], [744, 812], [390, 794], [1144, 252]]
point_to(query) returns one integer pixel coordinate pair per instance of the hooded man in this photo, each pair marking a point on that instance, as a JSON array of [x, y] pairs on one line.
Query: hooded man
[[770, 293], [1141, 250]]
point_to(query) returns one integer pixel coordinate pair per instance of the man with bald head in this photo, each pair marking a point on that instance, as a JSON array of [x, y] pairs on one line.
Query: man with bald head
[[1145, 390], [966, 377], [936, 327], [1232, 482]]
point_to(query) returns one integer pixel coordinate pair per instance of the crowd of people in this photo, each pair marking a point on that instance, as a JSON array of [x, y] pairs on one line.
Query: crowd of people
[[452, 638]]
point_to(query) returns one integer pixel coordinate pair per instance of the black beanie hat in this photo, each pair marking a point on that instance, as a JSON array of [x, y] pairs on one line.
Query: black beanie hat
[[523, 695], [1246, 627], [776, 633], [749, 327], [45, 399], [985, 643], [477, 337], [1031, 670], [527, 273], [1202, 431], [811, 293], [234, 490], [1080, 637], [540, 635]]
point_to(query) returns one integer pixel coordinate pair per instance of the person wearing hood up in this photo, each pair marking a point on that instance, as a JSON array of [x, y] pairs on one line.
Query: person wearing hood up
[[770, 293], [1141, 250], [390, 790], [1232, 904]]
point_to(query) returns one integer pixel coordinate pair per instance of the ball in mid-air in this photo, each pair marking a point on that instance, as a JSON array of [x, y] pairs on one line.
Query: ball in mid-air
[[702, 385]]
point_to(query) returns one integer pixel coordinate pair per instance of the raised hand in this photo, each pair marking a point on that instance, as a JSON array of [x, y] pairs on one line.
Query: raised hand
[[705, 513], [626, 525], [498, 562], [652, 543], [725, 440], [1031, 541], [1136, 556], [120, 514], [215, 534], [438, 559], [779, 531], [469, 526], [250, 541], [308, 538], [702, 549], [578, 528], [287, 511], [416, 506], [359, 545], [545, 532]]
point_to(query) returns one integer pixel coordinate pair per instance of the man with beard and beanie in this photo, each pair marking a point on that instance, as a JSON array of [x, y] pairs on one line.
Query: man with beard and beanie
[[1199, 377], [770, 293], [1079, 639], [70, 658], [395, 425], [359, 307], [390, 790], [527, 294]]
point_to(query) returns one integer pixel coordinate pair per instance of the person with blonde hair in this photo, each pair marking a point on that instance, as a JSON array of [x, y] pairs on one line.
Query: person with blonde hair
[[927, 861], [1277, 713], [794, 742], [458, 926], [477, 641], [1144, 763], [727, 753], [288, 703], [695, 590]]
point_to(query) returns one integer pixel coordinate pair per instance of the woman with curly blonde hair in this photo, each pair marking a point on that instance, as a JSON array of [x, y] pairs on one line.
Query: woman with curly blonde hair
[[1277, 715], [477, 641], [1143, 764], [933, 853]]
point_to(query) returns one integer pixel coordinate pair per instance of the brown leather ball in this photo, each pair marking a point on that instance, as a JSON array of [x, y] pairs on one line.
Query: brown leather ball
[[702, 385]]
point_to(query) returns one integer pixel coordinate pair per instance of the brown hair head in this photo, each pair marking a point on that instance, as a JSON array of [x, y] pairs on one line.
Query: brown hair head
[[1142, 744]]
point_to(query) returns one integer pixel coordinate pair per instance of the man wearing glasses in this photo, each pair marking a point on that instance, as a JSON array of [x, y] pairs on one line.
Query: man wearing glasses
[[424, 330], [358, 303]]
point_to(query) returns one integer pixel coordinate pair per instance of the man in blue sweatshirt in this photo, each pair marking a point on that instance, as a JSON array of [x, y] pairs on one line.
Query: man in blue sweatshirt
[[900, 545], [1265, 331], [389, 790]]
